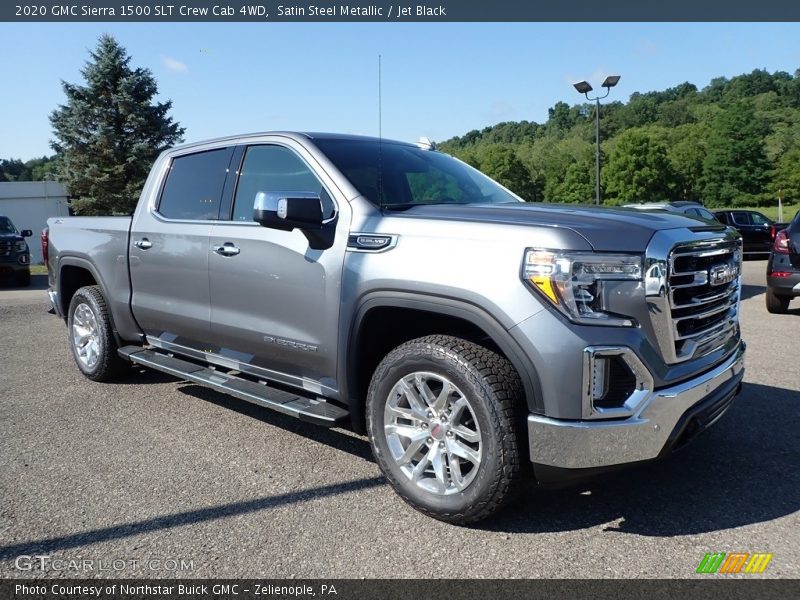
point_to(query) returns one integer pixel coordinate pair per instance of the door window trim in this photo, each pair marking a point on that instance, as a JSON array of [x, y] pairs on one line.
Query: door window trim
[[154, 208]]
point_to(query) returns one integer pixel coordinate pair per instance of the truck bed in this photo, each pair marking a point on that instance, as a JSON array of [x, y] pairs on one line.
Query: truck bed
[[99, 244]]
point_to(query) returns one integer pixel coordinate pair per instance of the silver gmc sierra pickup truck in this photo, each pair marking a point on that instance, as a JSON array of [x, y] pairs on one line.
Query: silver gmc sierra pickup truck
[[385, 286]]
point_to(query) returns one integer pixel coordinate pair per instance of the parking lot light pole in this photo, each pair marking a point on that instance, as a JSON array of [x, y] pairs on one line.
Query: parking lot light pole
[[584, 88]]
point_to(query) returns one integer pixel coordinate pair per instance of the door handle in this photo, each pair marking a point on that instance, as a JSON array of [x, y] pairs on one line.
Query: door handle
[[227, 249], [143, 244]]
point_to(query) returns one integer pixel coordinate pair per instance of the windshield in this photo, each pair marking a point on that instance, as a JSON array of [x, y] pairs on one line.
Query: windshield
[[396, 175], [6, 226]]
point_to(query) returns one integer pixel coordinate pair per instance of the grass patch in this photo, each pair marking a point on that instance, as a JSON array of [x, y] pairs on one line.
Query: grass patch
[[38, 270]]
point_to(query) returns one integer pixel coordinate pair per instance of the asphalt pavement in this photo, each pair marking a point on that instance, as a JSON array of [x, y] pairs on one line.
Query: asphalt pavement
[[158, 478]]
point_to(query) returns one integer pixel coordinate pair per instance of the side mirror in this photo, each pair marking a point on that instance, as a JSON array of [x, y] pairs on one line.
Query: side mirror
[[26, 233], [288, 210]]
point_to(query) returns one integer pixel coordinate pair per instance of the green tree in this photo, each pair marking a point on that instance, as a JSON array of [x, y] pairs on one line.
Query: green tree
[[578, 184], [735, 169], [502, 164], [786, 179], [686, 154], [638, 169], [110, 131]]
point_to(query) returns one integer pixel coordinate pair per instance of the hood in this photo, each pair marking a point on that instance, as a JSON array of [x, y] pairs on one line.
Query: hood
[[11, 237], [605, 229]]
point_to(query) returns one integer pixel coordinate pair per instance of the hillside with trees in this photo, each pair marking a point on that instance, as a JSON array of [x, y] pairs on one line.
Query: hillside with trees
[[736, 142]]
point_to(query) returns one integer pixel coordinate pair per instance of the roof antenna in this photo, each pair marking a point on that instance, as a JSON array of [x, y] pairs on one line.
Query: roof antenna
[[380, 139]]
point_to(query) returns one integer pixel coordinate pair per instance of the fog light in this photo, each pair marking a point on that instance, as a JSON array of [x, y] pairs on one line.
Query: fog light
[[24, 259], [600, 378], [615, 382]]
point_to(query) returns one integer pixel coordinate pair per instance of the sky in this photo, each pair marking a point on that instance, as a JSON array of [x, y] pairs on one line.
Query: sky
[[438, 79]]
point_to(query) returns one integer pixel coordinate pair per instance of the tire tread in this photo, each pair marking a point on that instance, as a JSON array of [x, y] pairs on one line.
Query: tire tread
[[110, 364], [505, 392]]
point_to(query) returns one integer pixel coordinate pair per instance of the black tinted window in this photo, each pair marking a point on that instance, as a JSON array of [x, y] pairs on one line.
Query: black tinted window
[[272, 169], [759, 219], [741, 218], [6, 226], [194, 185]]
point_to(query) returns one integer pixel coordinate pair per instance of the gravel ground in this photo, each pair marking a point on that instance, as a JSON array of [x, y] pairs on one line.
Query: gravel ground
[[153, 469]]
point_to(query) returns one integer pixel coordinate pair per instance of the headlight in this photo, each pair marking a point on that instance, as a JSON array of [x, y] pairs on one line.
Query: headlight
[[576, 283], [20, 246]]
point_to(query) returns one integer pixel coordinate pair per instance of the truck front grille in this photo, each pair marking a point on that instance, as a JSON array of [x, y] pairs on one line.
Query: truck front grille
[[5, 248], [703, 295]]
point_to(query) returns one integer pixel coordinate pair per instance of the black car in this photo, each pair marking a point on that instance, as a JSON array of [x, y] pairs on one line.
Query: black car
[[783, 268], [756, 229], [15, 256]]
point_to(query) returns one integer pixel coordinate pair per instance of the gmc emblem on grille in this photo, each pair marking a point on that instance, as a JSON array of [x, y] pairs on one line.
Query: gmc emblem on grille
[[721, 274]]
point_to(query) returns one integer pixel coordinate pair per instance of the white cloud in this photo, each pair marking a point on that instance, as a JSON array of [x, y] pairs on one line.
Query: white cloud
[[173, 64]]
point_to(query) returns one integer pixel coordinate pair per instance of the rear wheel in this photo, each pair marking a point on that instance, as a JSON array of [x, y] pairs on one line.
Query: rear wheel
[[777, 304], [440, 414], [91, 336]]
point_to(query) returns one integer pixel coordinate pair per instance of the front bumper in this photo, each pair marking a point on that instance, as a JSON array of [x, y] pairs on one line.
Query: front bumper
[[659, 422], [11, 265]]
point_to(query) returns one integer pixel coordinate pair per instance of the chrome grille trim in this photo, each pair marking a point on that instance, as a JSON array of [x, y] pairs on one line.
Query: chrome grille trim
[[691, 317]]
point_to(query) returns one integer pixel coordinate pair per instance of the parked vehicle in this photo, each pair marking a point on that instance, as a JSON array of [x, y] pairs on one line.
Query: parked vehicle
[[758, 230], [15, 256], [686, 207], [352, 281], [783, 268]]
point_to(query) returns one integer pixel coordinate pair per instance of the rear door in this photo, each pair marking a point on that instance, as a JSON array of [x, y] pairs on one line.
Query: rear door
[[275, 301], [169, 249]]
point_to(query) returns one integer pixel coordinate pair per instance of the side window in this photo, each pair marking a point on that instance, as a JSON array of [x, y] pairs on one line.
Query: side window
[[692, 211], [741, 218], [759, 219], [705, 214], [274, 169], [193, 189]]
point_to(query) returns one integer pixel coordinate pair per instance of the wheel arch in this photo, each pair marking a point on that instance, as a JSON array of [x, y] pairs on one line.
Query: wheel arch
[[74, 273], [389, 314]]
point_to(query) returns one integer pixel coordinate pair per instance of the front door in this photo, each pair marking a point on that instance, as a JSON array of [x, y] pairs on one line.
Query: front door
[[274, 300]]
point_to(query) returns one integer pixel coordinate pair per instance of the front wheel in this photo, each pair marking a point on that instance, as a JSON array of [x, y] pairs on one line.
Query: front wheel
[[91, 336], [440, 415]]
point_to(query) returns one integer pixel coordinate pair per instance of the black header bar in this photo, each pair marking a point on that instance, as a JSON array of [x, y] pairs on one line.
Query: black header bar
[[150, 11], [704, 586]]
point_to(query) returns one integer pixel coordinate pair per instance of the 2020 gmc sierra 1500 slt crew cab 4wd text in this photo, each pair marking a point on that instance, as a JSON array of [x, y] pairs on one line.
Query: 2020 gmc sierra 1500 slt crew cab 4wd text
[[352, 281]]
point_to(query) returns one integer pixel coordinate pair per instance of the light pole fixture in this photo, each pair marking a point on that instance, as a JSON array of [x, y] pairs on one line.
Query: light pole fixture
[[584, 88]]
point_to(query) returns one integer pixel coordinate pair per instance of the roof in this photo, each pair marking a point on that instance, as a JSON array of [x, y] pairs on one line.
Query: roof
[[673, 203], [295, 135]]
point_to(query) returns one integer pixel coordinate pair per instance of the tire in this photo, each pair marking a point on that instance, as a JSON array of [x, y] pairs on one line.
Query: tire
[[24, 278], [777, 304], [482, 427], [91, 337]]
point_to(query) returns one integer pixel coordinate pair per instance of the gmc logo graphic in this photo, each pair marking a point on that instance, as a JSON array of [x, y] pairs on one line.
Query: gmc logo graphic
[[721, 274]]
